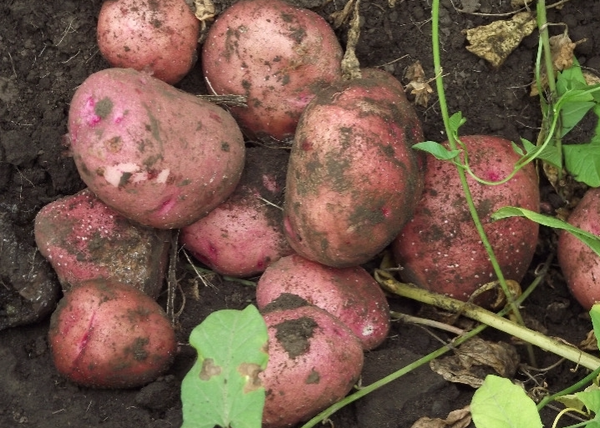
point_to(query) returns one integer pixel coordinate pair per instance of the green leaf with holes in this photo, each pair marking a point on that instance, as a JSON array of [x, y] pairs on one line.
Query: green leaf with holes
[[222, 388]]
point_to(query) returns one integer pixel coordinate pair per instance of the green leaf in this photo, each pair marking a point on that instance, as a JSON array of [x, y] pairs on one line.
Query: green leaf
[[456, 121], [552, 155], [590, 397], [570, 78], [591, 400], [575, 97], [437, 150], [582, 161], [528, 145], [222, 388], [498, 403], [587, 238], [595, 315], [518, 150], [573, 111]]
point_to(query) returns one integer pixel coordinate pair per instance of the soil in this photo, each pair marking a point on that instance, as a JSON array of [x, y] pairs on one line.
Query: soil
[[48, 48]]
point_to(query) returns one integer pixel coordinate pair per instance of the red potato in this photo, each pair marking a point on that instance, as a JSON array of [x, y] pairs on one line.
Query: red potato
[[244, 234], [350, 294], [156, 155], [277, 55], [353, 179], [159, 37], [440, 250], [579, 264], [84, 239], [314, 360], [105, 334]]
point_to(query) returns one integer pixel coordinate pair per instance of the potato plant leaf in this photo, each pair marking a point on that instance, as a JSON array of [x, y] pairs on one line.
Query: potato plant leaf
[[456, 121], [576, 99], [437, 150], [595, 316], [589, 239], [222, 388], [585, 401], [499, 403], [550, 154], [583, 162], [591, 400]]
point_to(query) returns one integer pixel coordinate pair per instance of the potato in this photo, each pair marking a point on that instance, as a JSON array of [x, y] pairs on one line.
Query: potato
[[105, 334], [156, 155], [84, 239], [160, 37], [244, 234], [350, 294], [277, 55], [440, 250], [579, 264], [353, 179], [314, 360]]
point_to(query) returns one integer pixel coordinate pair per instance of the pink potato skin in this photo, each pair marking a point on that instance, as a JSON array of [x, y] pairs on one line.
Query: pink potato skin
[[159, 37], [244, 234], [580, 265], [109, 335], [353, 178], [156, 155], [84, 239], [439, 248], [314, 360], [277, 55], [350, 294]]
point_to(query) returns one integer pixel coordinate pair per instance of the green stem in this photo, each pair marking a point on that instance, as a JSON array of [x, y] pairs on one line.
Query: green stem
[[550, 111], [489, 318], [435, 10], [543, 29]]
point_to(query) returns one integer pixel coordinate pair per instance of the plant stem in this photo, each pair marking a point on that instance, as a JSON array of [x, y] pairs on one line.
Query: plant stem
[[550, 111], [489, 318], [435, 10], [545, 40]]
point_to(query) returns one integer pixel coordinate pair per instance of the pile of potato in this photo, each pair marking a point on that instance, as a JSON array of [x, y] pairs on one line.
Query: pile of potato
[[346, 185]]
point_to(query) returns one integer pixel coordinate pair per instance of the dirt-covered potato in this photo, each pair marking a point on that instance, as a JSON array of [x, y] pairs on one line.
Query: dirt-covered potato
[[353, 179], [351, 294], [277, 55], [244, 234], [155, 154], [159, 37], [84, 239], [105, 334], [439, 248], [314, 360], [579, 264]]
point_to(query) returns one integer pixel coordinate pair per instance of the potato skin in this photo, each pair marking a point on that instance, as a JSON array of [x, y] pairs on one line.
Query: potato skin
[[244, 234], [157, 155], [84, 239], [160, 37], [314, 360], [353, 179], [579, 264], [439, 248], [350, 294], [277, 55], [105, 334]]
